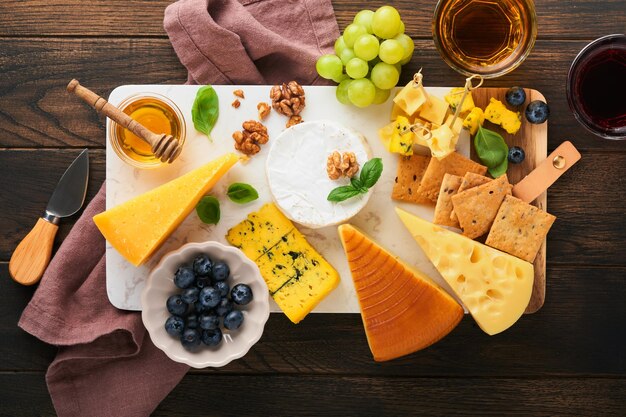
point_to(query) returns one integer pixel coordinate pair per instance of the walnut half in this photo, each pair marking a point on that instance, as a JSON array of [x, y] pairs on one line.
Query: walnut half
[[249, 139], [288, 99], [338, 165]]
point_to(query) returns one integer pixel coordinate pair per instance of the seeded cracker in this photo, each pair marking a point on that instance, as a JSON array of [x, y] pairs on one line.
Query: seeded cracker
[[410, 172], [519, 228], [477, 207], [455, 164], [470, 180], [443, 209]]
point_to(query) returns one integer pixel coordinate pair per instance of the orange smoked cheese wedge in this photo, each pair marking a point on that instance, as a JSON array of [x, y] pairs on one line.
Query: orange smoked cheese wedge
[[402, 311]]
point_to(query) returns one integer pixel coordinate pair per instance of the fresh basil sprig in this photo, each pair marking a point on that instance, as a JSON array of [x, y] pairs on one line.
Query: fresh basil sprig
[[205, 110], [370, 173], [208, 210], [241, 193], [492, 151]]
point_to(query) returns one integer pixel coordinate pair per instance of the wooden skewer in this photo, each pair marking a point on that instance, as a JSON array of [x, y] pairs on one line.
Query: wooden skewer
[[165, 147]]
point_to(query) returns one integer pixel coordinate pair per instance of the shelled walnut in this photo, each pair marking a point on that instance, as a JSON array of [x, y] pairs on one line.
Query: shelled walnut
[[294, 120], [253, 135], [236, 103], [238, 93], [288, 99], [338, 165], [264, 110]]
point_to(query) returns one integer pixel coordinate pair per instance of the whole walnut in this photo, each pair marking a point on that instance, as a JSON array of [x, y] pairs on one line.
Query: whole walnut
[[253, 135], [288, 99]]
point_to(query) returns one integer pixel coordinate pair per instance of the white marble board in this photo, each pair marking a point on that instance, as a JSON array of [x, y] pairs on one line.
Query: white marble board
[[125, 282]]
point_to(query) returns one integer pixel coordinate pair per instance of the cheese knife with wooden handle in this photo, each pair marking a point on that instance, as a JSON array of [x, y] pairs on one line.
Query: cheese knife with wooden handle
[[32, 255]]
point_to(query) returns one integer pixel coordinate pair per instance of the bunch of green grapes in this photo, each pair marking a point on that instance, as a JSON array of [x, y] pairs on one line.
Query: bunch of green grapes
[[368, 57]]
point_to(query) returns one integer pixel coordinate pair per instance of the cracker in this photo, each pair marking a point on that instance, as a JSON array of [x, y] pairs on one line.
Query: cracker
[[449, 187], [455, 164], [470, 180], [410, 172], [477, 207], [519, 228]]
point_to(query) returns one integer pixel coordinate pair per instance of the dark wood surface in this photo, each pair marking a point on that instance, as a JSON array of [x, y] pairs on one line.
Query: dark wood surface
[[569, 358]]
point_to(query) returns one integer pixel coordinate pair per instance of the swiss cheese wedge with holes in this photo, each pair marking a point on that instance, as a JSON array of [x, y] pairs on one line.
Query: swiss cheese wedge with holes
[[494, 286], [402, 311]]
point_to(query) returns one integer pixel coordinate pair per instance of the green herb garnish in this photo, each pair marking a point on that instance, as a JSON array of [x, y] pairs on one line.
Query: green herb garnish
[[492, 151], [208, 210], [205, 110], [370, 173], [241, 193]]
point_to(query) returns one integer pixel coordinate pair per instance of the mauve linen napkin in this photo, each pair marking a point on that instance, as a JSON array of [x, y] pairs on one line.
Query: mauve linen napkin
[[106, 364]]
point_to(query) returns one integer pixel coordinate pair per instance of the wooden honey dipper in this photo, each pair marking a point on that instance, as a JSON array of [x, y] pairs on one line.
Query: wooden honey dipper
[[165, 147]]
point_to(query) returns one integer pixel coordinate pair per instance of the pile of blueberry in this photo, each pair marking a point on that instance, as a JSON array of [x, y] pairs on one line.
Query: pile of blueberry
[[197, 310]]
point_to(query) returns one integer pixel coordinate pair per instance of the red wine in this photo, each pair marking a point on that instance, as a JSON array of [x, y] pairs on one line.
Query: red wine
[[598, 87]]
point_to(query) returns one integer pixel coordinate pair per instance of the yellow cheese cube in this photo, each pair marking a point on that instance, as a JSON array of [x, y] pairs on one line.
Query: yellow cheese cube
[[494, 286], [297, 276], [498, 114], [260, 231], [397, 136], [139, 226], [443, 142], [435, 111], [411, 98], [385, 133], [453, 98], [458, 124], [475, 118], [397, 111]]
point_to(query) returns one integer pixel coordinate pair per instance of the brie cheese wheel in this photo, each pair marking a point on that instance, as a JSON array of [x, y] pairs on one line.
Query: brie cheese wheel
[[297, 177]]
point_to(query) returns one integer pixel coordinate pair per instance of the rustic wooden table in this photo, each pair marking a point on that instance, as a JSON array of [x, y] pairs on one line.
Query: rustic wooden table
[[569, 358]]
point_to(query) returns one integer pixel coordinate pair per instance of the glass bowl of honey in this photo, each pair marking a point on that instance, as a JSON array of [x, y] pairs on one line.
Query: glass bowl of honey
[[155, 112], [486, 37]]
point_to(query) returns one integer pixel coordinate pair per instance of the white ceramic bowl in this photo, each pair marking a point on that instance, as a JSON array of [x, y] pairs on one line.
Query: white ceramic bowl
[[235, 344]]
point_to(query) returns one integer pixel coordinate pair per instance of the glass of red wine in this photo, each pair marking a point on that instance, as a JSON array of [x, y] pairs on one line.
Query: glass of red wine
[[596, 87]]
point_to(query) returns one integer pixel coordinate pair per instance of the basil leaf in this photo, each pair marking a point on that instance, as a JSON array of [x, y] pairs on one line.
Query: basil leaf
[[500, 169], [343, 193], [208, 210], [490, 147], [356, 183], [371, 171], [241, 193], [205, 110]]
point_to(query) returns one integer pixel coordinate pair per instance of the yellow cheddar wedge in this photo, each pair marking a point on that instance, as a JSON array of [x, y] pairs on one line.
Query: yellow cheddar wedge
[[297, 276], [494, 286], [139, 226], [402, 310]]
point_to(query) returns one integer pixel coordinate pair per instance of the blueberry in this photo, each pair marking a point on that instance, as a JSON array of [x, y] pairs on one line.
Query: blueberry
[[221, 271], [233, 320], [241, 294], [209, 297], [516, 155], [190, 339], [202, 282], [224, 307], [212, 337], [202, 265], [199, 308], [537, 112], [190, 295], [515, 96], [222, 287], [176, 305], [174, 326], [209, 321], [184, 277], [191, 322]]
